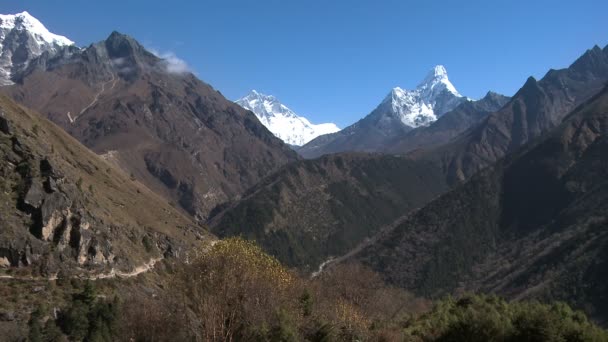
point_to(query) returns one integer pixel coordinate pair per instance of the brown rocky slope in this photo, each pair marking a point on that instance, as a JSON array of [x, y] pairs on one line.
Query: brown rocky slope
[[176, 134], [65, 210]]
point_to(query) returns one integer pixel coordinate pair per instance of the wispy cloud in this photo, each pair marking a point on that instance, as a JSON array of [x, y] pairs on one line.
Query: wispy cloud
[[120, 64], [173, 64]]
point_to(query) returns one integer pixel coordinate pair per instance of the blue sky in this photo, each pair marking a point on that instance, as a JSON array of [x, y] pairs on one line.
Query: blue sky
[[336, 60]]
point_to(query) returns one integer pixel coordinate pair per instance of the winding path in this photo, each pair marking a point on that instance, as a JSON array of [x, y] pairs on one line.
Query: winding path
[[382, 232], [113, 273], [95, 99]]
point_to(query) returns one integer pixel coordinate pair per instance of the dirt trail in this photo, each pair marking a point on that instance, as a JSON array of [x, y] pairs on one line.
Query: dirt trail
[[105, 275], [103, 88], [367, 242]]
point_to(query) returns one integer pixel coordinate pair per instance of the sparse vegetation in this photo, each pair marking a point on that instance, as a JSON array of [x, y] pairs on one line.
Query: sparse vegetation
[[236, 292], [490, 318]]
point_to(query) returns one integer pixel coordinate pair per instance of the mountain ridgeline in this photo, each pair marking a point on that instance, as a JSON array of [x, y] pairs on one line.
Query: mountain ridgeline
[[283, 122], [537, 108], [176, 134], [400, 112]]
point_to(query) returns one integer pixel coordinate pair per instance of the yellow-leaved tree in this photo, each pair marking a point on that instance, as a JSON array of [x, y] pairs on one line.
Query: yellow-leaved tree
[[233, 290]]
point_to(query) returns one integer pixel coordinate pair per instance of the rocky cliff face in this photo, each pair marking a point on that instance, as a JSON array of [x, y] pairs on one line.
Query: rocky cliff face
[[168, 129], [65, 210]]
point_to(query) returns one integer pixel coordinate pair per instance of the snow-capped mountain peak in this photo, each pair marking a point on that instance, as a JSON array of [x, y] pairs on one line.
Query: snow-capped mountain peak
[[433, 97], [25, 21], [265, 105], [437, 77], [23, 38], [282, 121]]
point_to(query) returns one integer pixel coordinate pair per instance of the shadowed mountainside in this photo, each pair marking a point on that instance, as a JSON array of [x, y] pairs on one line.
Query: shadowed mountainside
[[313, 209], [531, 226]]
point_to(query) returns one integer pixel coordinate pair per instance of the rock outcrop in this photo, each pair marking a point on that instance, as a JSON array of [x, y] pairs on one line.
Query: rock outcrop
[[63, 209]]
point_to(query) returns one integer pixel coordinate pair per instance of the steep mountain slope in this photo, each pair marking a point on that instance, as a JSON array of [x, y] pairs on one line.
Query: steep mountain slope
[[313, 209], [282, 121], [537, 107], [22, 38], [168, 129], [450, 125], [532, 225], [63, 209], [401, 111]]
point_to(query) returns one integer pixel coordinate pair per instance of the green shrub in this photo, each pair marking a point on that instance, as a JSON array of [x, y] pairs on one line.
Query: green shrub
[[490, 318], [88, 318]]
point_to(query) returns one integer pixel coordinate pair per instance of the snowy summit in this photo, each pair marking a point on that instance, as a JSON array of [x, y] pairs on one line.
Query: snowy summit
[[433, 97], [23, 30], [282, 121]]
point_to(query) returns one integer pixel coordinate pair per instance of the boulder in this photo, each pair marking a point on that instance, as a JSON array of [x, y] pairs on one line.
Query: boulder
[[4, 262], [34, 196], [47, 169], [7, 316], [50, 185], [5, 126], [54, 214]]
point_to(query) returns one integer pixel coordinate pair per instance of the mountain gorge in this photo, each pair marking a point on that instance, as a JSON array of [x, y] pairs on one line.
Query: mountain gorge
[[282, 121], [137, 203], [293, 203], [168, 129], [315, 209]]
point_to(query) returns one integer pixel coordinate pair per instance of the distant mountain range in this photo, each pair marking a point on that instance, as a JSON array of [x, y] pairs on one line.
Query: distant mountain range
[[399, 112], [528, 224], [537, 108], [282, 121]]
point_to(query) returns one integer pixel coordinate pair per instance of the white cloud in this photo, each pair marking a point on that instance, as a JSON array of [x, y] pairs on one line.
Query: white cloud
[[119, 63], [173, 64]]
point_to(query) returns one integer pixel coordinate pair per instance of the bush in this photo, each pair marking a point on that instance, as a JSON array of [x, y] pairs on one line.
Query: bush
[[490, 318], [88, 318], [235, 289]]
